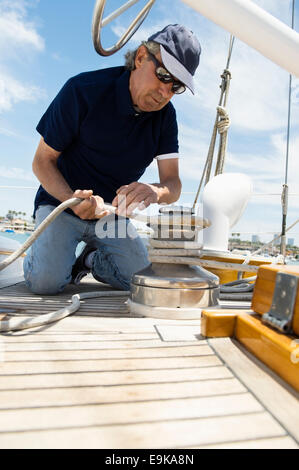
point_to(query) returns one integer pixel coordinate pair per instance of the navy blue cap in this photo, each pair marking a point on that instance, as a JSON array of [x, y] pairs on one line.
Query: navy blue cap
[[180, 52]]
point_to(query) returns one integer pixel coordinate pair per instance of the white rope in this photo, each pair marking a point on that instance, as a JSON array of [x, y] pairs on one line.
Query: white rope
[[16, 324], [166, 219], [204, 263], [10, 259], [153, 220], [224, 122], [223, 125]]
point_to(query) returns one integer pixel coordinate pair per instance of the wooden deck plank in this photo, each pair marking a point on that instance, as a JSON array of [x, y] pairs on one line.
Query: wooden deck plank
[[180, 332], [131, 353], [101, 365], [204, 387], [22, 382], [50, 332], [150, 435], [72, 338], [98, 324], [102, 345], [275, 394], [126, 413]]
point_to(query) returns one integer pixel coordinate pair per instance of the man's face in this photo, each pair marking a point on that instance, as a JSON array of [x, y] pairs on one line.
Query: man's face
[[147, 91]]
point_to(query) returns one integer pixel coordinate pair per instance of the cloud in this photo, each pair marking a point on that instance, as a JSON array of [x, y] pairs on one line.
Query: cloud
[[18, 40], [56, 56], [7, 132], [17, 33], [16, 173], [12, 91]]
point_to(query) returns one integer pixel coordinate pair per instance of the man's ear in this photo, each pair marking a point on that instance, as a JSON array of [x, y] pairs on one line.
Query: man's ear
[[141, 56]]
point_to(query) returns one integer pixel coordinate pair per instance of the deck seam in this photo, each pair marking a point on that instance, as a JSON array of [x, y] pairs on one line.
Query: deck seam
[[134, 423], [115, 358], [106, 371], [111, 385], [104, 403]]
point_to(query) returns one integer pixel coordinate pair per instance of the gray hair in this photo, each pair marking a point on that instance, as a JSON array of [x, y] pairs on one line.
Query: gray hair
[[130, 56]]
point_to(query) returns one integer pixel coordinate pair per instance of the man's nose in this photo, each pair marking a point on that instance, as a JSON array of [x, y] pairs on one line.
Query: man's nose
[[166, 90]]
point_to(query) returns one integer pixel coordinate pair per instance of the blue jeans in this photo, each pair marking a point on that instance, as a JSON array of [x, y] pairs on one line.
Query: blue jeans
[[120, 252]]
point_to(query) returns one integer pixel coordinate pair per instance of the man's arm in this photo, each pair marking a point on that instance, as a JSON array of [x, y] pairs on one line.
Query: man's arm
[[170, 184], [142, 194], [45, 169]]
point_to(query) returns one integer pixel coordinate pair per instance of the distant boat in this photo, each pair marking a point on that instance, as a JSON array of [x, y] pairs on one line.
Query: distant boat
[[9, 231]]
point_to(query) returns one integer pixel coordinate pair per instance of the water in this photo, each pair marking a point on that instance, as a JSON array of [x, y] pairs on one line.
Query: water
[[19, 237], [294, 262], [22, 237]]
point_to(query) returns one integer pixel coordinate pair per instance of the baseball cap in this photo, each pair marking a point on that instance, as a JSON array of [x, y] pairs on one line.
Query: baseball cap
[[180, 52]]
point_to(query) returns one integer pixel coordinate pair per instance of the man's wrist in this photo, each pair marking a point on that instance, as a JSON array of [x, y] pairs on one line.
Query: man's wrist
[[162, 191]]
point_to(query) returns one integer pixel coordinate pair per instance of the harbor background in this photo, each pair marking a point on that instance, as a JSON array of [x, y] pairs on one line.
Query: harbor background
[[236, 245]]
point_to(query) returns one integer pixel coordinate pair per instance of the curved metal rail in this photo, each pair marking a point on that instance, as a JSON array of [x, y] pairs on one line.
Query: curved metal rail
[[98, 23]]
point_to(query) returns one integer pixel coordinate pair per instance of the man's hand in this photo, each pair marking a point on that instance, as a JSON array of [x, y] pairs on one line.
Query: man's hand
[[92, 207], [135, 195]]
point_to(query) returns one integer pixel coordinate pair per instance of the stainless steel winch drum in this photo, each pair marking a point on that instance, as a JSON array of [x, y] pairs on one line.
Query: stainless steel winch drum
[[169, 289], [175, 286]]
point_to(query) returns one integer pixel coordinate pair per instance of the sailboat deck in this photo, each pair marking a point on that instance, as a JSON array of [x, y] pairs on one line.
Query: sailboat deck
[[105, 379]]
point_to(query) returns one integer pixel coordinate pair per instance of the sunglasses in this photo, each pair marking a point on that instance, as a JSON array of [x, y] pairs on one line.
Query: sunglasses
[[165, 77]]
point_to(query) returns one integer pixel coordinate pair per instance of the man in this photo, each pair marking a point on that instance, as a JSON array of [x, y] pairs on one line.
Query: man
[[99, 134]]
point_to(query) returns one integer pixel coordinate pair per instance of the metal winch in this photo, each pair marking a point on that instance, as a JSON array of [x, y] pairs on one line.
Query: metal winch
[[169, 287]]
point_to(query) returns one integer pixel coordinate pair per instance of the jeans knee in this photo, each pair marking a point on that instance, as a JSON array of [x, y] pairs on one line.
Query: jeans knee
[[42, 284], [42, 281], [106, 269], [113, 279], [40, 288]]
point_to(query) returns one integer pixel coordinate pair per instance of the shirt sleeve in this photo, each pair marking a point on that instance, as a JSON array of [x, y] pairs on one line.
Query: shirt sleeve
[[168, 143], [60, 124]]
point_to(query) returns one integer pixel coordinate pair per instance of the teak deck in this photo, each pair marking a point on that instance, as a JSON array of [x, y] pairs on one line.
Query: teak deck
[[105, 379]]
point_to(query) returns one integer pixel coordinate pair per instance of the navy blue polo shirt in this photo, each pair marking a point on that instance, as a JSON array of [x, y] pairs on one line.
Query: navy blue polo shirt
[[104, 143]]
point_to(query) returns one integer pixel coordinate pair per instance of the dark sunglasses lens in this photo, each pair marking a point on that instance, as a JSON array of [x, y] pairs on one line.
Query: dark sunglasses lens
[[163, 75], [178, 88]]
